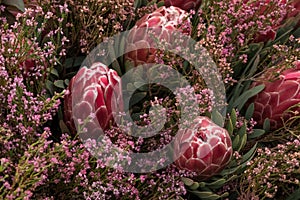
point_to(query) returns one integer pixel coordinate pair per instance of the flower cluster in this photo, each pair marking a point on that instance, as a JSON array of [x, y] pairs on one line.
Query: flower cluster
[[274, 172], [66, 132], [226, 28]]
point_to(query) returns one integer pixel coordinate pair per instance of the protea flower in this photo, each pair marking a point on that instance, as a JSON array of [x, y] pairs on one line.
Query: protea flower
[[162, 23], [184, 4], [97, 89], [277, 97], [208, 148]]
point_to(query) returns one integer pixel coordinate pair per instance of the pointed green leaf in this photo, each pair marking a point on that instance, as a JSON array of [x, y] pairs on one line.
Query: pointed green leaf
[[229, 127], [187, 181], [59, 84], [217, 118], [216, 184], [74, 62], [233, 117], [236, 142], [63, 127], [240, 101], [49, 87], [229, 171], [266, 125], [254, 66], [137, 97], [54, 72], [249, 111], [194, 186], [243, 130], [249, 154], [160, 4], [243, 142], [66, 81], [256, 133]]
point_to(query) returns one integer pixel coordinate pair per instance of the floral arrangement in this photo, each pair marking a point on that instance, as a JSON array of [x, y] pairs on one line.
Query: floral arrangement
[[146, 99]]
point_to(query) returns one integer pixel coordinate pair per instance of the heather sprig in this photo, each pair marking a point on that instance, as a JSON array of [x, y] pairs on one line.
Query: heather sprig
[[274, 172], [98, 20], [226, 28]]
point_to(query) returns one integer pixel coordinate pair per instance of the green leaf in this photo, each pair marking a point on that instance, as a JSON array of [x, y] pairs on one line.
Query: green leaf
[[63, 127], [115, 65], [74, 62], [297, 33], [243, 130], [229, 127], [243, 142], [141, 86], [248, 156], [240, 101], [54, 72], [194, 186], [236, 142], [217, 118], [140, 3], [49, 87], [187, 181], [59, 84], [282, 35], [253, 68], [16, 3], [67, 81], [245, 158], [249, 111], [256, 133], [229, 171], [266, 125], [233, 117], [128, 65], [160, 4], [136, 97], [216, 184]]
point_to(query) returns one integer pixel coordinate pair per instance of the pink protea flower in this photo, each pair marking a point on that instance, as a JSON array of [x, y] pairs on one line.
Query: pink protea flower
[[97, 89], [277, 97], [162, 23], [208, 148], [184, 4]]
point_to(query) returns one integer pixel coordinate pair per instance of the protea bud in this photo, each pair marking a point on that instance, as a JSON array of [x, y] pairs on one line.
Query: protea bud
[[184, 4], [162, 23], [277, 97], [208, 148], [96, 89]]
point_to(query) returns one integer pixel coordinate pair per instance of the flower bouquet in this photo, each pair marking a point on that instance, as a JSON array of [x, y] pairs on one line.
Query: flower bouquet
[[147, 99]]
